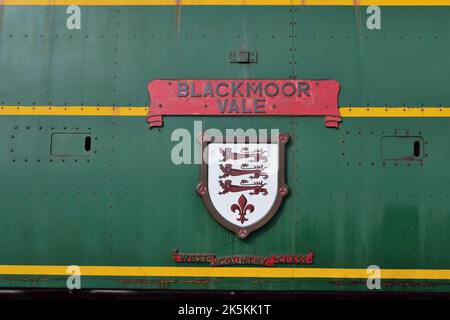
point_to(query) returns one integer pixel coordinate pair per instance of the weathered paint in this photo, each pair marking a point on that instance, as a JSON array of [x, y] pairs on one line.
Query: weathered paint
[[126, 206]]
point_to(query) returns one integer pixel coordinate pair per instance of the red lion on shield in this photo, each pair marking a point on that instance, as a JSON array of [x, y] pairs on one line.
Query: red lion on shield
[[257, 155], [257, 171], [256, 187]]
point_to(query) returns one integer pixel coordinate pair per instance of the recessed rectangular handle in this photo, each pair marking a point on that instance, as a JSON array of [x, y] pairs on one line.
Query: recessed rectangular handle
[[405, 148], [71, 144]]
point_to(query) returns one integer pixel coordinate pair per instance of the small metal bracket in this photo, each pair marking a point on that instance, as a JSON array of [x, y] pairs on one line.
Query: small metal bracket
[[242, 57]]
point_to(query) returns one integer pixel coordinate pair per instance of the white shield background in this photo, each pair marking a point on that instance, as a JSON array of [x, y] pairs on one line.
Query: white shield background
[[223, 202]]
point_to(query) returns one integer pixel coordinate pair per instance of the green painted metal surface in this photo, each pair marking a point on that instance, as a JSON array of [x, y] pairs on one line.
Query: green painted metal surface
[[125, 203]]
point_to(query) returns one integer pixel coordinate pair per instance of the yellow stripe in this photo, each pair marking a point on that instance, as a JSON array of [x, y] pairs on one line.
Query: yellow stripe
[[72, 111], [394, 112], [225, 272], [226, 2], [142, 111]]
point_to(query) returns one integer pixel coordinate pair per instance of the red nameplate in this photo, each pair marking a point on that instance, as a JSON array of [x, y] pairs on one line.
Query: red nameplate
[[244, 98]]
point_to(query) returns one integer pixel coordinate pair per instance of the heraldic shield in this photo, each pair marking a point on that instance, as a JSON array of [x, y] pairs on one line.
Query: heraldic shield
[[243, 180]]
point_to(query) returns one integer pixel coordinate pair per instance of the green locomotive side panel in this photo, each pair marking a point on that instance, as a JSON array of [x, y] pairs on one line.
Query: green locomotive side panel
[[120, 49], [359, 195], [402, 64]]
